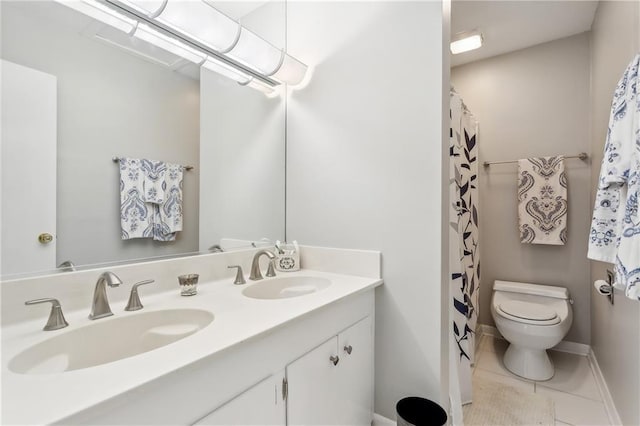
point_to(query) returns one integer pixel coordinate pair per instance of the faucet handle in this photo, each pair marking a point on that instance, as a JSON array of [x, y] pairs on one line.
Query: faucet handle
[[239, 275], [67, 265], [134, 303], [270, 270], [56, 319]]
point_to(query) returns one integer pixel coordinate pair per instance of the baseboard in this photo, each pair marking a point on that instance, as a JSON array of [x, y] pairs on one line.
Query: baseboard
[[379, 420], [564, 346], [607, 399], [487, 330], [573, 348]]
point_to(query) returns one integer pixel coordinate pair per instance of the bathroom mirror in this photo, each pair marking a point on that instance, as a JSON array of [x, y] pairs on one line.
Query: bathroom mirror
[[110, 95]]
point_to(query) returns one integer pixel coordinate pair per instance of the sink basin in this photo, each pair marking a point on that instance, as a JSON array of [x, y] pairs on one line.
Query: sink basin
[[110, 340], [286, 287]]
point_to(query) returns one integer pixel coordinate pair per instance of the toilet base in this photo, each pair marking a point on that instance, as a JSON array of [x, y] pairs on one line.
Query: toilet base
[[532, 364]]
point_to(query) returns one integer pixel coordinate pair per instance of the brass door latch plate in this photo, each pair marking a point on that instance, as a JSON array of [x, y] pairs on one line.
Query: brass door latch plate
[[45, 238]]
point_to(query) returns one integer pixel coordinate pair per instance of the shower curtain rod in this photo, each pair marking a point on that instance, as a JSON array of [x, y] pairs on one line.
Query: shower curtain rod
[[583, 156]]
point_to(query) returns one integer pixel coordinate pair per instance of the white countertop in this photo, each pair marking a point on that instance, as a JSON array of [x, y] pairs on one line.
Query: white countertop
[[47, 398]]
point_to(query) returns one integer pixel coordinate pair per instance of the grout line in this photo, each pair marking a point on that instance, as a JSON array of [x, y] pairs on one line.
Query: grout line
[[573, 394]]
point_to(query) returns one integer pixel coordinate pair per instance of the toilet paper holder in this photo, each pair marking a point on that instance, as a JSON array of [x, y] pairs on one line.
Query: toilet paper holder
[[606, 288]]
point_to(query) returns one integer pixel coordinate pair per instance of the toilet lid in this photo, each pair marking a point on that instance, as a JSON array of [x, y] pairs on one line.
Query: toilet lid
[[529, 312]]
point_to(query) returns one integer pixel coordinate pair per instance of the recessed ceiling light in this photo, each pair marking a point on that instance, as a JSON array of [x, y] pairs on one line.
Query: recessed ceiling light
[[466, 41]]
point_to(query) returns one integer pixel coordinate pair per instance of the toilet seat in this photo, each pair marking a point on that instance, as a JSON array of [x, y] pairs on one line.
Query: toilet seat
[[528, 312]]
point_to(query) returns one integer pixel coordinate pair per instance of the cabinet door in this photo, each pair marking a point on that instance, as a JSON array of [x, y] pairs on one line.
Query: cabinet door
[[262, 404], [355, 381], [312, 381]]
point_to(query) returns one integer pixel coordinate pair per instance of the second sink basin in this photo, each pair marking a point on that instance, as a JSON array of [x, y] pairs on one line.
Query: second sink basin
[[110, 340], [286, 287]]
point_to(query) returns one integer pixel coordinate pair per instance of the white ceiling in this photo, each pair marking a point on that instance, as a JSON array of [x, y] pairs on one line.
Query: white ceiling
[[512, 25]]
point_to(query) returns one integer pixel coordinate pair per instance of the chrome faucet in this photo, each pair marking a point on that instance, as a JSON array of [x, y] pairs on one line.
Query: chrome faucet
[[56, 319], [100, 306], [255, 265]]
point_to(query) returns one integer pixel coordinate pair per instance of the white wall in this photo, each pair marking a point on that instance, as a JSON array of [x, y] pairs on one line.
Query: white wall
[[110, 103], [615, 330], [529, 103], [364, 163]]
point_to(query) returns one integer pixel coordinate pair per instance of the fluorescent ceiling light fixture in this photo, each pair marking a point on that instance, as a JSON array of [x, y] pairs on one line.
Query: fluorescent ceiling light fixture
[[255, 52], [466, 42], [101, 13], [226, 70], [194, 30], [148, 7], [291, 72], [258, 85], [202, 23], [170, 44]]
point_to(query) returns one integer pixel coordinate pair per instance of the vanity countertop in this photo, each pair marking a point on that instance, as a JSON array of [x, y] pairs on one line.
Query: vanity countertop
[[47, 398]]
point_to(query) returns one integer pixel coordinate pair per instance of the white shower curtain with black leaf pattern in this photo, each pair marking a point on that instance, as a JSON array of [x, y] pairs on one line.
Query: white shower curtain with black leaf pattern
[[464, 260]]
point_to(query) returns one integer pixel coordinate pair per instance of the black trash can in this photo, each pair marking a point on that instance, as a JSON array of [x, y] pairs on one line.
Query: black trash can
[[416, 411]]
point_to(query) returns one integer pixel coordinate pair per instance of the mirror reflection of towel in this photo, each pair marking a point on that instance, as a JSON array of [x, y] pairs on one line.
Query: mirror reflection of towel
[[168, 214], [542, 200], [135, 216], [154, 172], [150, 199]]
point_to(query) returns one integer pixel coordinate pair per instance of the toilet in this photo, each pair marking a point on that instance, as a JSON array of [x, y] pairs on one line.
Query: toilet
[[532, 318]]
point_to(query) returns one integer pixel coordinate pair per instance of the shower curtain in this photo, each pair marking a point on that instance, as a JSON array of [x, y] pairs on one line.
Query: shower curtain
[[464, 260]]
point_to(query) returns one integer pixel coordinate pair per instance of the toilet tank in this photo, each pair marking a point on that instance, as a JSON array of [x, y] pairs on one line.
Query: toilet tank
[[532, 289]]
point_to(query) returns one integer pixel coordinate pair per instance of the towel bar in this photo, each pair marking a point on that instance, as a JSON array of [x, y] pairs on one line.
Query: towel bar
[[583, 156], [116, 159]]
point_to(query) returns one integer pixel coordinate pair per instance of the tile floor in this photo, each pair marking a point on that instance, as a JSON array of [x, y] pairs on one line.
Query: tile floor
[[573, 388]]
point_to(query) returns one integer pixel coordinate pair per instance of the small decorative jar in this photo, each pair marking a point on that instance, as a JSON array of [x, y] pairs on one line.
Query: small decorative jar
[[188, 284]]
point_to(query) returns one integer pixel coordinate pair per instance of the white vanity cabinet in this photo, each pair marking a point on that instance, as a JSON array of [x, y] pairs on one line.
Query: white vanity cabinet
[[329, 385], [313, 397], [262, 404], [355, 381], [333, 384], [243, 384]]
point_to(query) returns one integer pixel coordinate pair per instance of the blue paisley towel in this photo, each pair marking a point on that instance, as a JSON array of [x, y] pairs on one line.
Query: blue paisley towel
[[150, 199], [542, 200], [154, 173], [168, 214], [615, 227]]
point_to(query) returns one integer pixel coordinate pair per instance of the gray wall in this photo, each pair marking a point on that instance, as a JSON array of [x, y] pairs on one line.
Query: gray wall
[[109, 103], [242, 158], [364, 142], [532, 102], [242, 149], [615, 330]]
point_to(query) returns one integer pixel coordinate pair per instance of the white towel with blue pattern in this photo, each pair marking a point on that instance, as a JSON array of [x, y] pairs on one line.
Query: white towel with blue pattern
[[615, 229], [168, 214], [150, 199], [136, 216], [542, 200], [154, 172]]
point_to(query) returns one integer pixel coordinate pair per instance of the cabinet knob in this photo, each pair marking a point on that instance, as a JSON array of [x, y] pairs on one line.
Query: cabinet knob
[[348, 349], [334, 359]]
